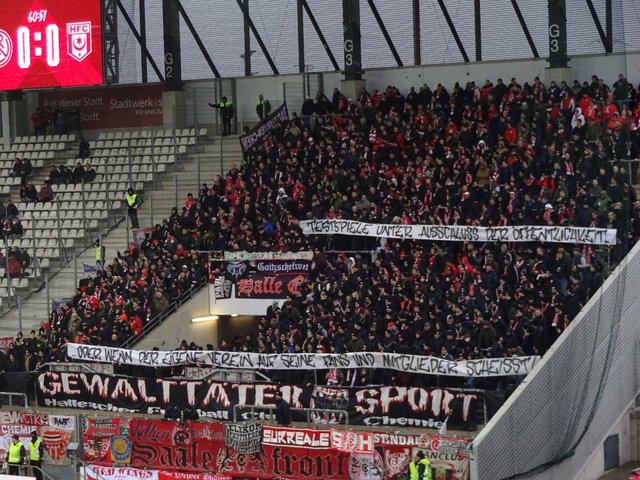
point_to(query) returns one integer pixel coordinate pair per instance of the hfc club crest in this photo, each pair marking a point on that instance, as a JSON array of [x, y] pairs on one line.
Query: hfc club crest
[[79, 40]]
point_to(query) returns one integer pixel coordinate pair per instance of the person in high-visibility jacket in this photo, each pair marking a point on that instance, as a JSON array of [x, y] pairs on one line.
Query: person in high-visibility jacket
[[132, 207], [226, 112], [100, 255], [15, 455], [420, 468], [263, 107], [36, 452]]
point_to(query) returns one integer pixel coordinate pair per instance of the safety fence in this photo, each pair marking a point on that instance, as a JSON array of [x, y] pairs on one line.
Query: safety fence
[[568, 404]]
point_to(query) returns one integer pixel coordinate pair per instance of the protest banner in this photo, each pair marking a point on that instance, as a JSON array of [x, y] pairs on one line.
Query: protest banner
[[462, 233], [373, 406], [189, 450], [258, 133], [486, 367], [54, 430]]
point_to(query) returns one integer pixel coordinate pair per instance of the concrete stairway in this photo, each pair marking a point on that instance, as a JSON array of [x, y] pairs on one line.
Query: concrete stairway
[[215, 157]]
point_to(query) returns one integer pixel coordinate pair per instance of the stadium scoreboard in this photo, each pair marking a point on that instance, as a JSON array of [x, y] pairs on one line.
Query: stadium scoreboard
[[50, 43]]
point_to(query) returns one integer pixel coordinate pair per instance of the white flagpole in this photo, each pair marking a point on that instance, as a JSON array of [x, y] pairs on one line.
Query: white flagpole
[[443, 428]]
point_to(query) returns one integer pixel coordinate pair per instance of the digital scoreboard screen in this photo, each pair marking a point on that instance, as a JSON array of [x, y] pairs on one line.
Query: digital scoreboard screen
[[50, 43]]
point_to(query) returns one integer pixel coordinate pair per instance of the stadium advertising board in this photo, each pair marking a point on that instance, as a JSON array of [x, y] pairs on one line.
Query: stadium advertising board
[[54, 430], [50, 43], [422, 364], [110, 107], [195, 447], [379, 405]]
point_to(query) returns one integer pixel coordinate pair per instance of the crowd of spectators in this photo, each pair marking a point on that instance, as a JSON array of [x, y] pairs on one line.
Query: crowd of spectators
[[48, 121], [496, 155], [58, 175]]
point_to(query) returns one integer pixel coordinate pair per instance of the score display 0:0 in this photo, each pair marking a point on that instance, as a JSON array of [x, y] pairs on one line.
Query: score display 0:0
[[52, 34]]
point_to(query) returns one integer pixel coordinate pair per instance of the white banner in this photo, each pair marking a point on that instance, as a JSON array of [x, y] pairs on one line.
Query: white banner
[[461, 233], [243, 256], [487, 367], [95, 472]]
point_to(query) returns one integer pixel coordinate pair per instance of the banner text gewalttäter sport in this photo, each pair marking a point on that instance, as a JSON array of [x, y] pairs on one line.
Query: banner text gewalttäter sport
[[366, 405]]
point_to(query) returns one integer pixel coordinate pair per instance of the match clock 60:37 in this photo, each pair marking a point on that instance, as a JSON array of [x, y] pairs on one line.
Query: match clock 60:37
[[49, 43]]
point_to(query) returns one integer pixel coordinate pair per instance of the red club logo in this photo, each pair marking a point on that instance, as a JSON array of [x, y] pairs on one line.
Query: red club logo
[[79, 40], [6, 48]]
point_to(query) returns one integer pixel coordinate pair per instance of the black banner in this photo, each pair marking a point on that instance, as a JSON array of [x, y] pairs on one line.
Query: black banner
[[372, 406], [236, 270], [259, 285], [264, 128]]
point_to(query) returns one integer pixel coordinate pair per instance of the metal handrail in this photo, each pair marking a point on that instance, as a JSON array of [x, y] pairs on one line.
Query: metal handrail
[[11, 395], [161, 317], [75, 367], [78, 462], [208, 373], [308, 411], [28, 470]]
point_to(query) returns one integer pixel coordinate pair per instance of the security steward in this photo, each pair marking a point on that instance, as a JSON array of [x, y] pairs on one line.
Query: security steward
[[263, 107], [15, 455], [36, 452], [226, 112], [100, 254], [420, 468], [132, 207]]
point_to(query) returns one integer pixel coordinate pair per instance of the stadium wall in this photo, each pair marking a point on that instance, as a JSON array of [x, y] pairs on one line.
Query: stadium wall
[[272, 87], [595, 467], [551, 426], [244, 90], [179, 326]]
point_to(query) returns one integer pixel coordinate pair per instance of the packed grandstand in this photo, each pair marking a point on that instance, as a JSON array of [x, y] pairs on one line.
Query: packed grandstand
[[503, 154]]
